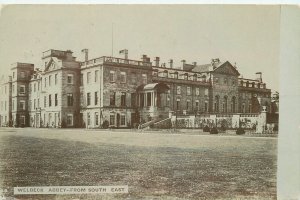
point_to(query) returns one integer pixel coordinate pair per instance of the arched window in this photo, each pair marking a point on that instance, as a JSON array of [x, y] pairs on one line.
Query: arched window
[[217, 102], [176, 75], [165, 74], [185, 76], [233, 100]]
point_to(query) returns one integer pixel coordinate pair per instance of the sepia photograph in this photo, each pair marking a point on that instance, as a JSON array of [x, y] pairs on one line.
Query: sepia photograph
[[139, 101]]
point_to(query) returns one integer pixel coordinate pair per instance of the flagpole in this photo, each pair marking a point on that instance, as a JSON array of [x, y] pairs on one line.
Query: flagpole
[[112, 40]]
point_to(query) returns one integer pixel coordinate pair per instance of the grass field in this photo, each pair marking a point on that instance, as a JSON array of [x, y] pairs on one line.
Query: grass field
[[154, 166]]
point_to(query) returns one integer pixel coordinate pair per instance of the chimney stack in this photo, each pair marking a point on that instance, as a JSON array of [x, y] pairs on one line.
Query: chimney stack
[[195, 63], [156, 61], [171, 63], [86, 54], [259, 76], [144, 58], [183, 63]]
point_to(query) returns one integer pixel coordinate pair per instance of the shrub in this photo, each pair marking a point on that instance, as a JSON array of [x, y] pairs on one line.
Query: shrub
[[105, 124], [206, 129], [214, 130], [223, 128], [240, 131]]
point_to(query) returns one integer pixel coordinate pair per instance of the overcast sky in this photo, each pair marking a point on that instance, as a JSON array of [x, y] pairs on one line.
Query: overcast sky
[[245, 35]]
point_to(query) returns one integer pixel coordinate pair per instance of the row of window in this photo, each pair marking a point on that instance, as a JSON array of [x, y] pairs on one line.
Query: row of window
[[4, 105], [4, 91], [184, 76], [189, 91], [22, 74], [123, 77], [89, 77], [89, 99], [225, 81]]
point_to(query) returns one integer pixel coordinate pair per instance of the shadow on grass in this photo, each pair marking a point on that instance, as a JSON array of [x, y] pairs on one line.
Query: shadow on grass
[[150, 172]]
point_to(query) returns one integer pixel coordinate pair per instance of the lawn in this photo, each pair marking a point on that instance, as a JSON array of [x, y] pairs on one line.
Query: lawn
[[154, 166]]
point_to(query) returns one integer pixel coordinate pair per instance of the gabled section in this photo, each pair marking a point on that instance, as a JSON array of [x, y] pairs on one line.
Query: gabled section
[[53, 64], [226, 68]]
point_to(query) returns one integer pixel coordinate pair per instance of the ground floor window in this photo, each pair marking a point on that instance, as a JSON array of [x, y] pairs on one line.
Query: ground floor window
[[123, 120], [112, 120], [70, 119], [88, 119], [96, 118]]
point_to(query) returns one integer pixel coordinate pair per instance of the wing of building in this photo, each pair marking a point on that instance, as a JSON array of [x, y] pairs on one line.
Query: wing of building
[[122, 93]]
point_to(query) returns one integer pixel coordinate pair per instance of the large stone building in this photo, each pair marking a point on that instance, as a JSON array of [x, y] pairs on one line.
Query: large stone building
[[121, 93]]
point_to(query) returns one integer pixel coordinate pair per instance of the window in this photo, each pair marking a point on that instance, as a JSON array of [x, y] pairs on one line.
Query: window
[[197, 105], [13, 74], [45, 101], [22, 89], [96, 75], [34, 87], [188, 90], [243, 108], [112, 119], [197, 91], [38, 103], [177, 104], [96, 118], [123, 120], [176, 75], [56, 99], [13, 89], [81, 99], [81, 79], [217, 103], [34, 104], [178, 90], [88, 119], [123, 77], [22, 74], [70, 99], [88, 77], [50, 80], [233, 82], [45, 82], [123, 99], [165, 74], [133, 77], [50, 102], [88, 98], [185, 76], [96, 98], [144, 78], [70, 119], [13, 105], [112, 99], [22, 105], [225, 81], [225, 103], [216, 80], [55, 79], [205, 106], [112, 76], [38, 85], [187, 104], [70, 78]]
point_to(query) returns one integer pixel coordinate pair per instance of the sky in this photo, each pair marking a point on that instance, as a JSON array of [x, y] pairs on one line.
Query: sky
[[247, 35]]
